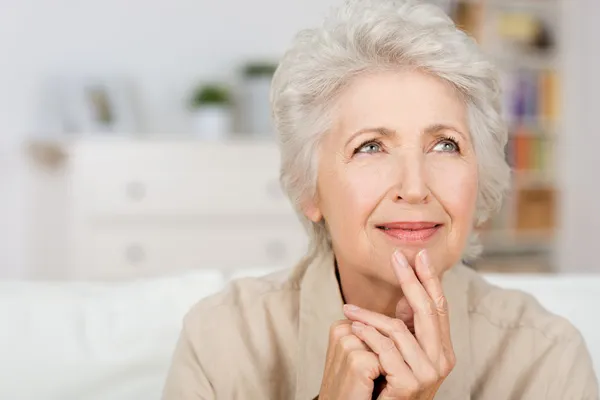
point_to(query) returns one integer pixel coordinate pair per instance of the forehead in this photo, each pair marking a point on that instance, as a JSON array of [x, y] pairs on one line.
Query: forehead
[[406, 101]]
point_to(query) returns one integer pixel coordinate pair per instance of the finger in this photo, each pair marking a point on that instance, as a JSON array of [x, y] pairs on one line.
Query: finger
[[337, 331], [407, 389], [350, 356], [427, 330], [390, 358], [348, 344], [360, 361], [405, 313], [349, 353], [396, 330], [392, 364], [433, 286]]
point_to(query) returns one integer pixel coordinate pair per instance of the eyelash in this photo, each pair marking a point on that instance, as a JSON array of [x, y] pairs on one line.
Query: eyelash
[[380, 144], [450, 139], [366, 142]]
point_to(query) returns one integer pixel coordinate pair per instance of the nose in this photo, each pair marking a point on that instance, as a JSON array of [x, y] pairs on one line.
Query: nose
[[411, 185]]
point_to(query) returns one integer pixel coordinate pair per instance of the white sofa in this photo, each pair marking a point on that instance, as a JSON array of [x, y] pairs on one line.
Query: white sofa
[[113, 341]]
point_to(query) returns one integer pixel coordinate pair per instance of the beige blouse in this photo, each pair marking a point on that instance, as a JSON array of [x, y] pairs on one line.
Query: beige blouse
[[266, 338]]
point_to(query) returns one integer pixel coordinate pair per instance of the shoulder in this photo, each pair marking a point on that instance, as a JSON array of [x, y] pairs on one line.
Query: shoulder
[[250, 325], [515, 339], [242, 336], [243, 301], [503, 309]]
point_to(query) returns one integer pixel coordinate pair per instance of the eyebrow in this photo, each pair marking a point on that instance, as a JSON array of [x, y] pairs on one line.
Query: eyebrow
[[383, 131]]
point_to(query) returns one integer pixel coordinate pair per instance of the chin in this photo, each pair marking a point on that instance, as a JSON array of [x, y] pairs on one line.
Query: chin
[[439, 257]]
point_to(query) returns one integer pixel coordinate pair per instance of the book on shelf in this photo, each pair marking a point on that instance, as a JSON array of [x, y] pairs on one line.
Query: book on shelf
[[531, 97], [467, 15], [528, 215], [531, 154], [520, 39], [531, 110], [535, 210]]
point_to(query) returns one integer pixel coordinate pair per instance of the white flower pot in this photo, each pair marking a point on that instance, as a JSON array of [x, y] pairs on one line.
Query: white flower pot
[[212, 122]]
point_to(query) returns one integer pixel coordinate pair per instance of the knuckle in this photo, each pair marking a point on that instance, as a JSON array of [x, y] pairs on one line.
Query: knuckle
[[447, 364], [412, 386], [402, 388], [338, 323], [353, 360], [346, 343], [427, 308], [368, 332], [387, 344], [441, 304], [452, 360], [338, 330], [356, 361], [369, 329], [398, 326], [361, 363], [430, 377]]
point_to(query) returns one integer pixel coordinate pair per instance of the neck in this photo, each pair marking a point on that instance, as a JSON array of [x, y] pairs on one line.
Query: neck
[[369, 292]]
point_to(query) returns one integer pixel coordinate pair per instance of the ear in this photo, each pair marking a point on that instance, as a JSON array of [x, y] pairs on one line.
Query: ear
[[312, 211]]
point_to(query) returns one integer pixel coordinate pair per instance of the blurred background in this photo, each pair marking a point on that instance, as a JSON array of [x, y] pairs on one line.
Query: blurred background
[[136, 137]]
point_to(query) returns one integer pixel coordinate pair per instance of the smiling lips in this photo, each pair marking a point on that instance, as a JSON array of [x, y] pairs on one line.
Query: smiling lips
[[410, 232]]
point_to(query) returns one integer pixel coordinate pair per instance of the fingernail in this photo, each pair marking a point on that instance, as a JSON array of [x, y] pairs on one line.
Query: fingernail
[[400, 259], [425, 259], [357, 326], [350, 308]]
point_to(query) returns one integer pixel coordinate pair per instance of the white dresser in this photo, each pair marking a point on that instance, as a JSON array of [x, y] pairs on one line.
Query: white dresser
[[134, 208]]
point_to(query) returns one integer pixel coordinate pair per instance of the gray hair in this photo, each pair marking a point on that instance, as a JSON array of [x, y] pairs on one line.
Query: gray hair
[[366, 36]]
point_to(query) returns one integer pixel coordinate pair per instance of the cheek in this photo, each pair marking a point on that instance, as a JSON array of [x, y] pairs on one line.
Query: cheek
[[455, 187], [454, 184], [350, 194]]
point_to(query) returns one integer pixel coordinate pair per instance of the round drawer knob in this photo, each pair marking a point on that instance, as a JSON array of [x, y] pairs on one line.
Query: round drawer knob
[[136, 190], [276, 250], [135, 254]]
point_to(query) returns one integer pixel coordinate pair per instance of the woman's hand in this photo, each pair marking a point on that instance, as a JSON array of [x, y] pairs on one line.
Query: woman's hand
[[350, 366], [414, 365]]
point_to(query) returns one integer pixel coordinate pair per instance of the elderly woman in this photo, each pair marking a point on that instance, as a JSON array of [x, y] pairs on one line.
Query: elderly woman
[[392, 148]]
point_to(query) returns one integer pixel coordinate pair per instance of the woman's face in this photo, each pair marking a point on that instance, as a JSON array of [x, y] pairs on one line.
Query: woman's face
[[398, 170]]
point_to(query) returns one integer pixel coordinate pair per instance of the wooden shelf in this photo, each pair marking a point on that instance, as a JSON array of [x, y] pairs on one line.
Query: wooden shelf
[[533, 179], [521, 265], [531, 85], [503, 241]]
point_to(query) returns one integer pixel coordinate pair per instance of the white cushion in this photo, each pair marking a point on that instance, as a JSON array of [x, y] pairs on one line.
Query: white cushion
[[575, 297], [83, 341], [253, 272], [98, 341]]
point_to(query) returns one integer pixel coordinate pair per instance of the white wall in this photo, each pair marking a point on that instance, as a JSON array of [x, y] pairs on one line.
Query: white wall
[[166, 45], [579, 147]]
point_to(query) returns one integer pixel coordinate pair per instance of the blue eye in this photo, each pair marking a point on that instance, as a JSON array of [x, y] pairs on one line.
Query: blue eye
[[447, 146], [369, 148]]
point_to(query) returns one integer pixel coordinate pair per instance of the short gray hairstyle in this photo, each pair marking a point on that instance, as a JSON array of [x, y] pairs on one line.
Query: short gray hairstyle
[[364, 36]]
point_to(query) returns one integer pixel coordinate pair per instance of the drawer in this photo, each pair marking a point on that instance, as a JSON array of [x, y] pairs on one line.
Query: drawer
[[120, 253], [170, 179]]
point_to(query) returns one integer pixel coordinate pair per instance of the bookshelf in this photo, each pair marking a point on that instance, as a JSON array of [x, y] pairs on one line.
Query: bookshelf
[[523, 37]]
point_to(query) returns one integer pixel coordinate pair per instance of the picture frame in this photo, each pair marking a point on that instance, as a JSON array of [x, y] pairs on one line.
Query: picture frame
[[80, 106]]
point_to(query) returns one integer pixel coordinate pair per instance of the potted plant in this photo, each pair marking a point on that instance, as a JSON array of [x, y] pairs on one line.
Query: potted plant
[[211, 111], [255, 105]]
